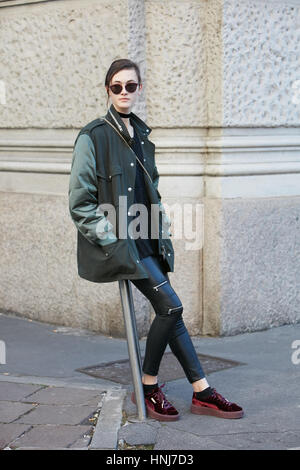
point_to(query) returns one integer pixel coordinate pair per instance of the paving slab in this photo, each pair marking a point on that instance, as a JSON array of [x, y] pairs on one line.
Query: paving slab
[[10, 432], [63, 395], [16, 391], [51, 436], [58, 414], [63, 417], [12, 410]]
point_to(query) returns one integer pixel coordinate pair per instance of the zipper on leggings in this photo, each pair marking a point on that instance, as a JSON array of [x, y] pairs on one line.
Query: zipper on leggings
[[158, 285], [174, 309]]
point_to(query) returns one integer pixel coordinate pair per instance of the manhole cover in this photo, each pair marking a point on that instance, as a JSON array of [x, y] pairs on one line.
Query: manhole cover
[[170, 369]]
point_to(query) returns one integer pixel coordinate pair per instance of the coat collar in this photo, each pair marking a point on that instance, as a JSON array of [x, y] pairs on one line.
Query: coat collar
[[114, 118]]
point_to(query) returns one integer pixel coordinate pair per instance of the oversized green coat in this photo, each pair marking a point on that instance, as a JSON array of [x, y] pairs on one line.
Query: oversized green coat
[[103, 169]]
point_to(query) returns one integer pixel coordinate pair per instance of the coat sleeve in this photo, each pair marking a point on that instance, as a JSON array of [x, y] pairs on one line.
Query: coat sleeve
[[83, 195]]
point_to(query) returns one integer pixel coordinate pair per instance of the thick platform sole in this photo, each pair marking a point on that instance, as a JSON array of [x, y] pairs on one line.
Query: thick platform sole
[[202, 410], [153, 414]]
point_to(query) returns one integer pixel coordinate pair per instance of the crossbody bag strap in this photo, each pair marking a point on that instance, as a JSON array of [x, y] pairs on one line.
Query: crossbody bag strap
[[116, 130]]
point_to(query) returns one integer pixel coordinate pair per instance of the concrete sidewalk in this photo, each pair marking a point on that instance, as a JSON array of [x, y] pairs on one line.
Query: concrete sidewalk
[[46, 404]]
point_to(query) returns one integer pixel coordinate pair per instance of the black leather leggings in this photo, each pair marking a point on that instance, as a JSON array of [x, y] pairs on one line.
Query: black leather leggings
[[168, 326]]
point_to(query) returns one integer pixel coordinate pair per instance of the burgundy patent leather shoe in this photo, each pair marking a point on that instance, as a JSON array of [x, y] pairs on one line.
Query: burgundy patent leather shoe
[[157, 406], [216, 405]]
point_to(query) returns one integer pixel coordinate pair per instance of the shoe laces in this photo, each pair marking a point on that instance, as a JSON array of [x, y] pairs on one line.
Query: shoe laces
[[159, 396], [220, 399]]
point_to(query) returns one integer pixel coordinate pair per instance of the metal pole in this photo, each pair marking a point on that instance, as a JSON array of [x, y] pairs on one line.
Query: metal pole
[[133, 346], [133, 322]]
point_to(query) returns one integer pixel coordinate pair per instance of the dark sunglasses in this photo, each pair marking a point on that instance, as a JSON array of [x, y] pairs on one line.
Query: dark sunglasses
[[117, 88]]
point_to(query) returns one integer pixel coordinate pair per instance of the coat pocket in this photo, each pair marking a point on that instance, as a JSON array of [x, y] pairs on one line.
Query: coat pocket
[[115, 170], [117, 258], [103, 263], [109, 184]]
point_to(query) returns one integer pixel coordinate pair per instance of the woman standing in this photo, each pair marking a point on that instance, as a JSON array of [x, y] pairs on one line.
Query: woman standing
[[113, 167]]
